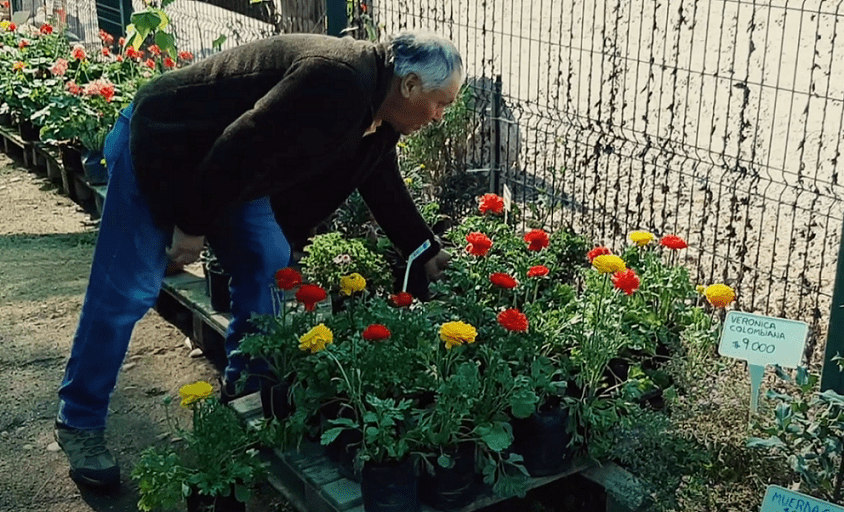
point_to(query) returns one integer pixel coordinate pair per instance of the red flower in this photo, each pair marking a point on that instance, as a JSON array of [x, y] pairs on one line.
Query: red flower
[[309, 295], [479, 244], [401, 299], [120, 58], [597, 251], [186, 55], [673, 242], [106, 52], [46, 29], [107, 90], [169, 63], [150, 64], [121, 41], [513, 320], [12, 27], [72, 88], [503, 280], [23, 44], [538, 271], [78, 52], [537, 239], [626, 281], [154, 49], [376, 332], [491, 203], [288, 278], [6, 4]]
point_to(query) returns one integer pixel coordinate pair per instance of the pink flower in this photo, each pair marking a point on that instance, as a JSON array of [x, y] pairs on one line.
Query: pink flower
[[78, 52], [150, 64], [59, 68]]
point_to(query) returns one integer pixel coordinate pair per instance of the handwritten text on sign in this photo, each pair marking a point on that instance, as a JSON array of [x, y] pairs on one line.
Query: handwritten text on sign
[[763, 340], [779, 499]]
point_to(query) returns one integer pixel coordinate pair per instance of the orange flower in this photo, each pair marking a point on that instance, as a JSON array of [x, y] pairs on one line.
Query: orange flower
[[537, 239], [401, 299], [719, 295], [287, 278], [18, 66], [513, 320], [491, 203], [597, 251], [673, 242], [626, 281], [479, 244], [538, 271], [309, 295], [503, 280], [376, 332]]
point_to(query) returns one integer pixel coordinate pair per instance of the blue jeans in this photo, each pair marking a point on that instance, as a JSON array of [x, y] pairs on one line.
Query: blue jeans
[[126, 275]]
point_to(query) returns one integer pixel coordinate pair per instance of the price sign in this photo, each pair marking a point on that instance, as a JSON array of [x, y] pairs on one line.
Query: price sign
[[780, 499], [507, 196], [763, 340]]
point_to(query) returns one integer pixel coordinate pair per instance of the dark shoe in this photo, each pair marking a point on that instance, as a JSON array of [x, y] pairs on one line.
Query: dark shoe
[[90, 461]]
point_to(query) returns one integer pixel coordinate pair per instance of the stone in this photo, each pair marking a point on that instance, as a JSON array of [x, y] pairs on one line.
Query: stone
[[197, 352], [53, 447]]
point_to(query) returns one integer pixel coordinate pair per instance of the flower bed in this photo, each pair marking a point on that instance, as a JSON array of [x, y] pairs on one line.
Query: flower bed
[[527, 329]]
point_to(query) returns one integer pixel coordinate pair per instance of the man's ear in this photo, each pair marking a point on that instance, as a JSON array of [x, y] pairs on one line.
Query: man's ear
[[410, 84]]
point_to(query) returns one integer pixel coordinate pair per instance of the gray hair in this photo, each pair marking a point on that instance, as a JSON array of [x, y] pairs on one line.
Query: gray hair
[[433, 58]]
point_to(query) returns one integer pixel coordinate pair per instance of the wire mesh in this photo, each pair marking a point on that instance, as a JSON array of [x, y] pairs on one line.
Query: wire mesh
[[719, 121]]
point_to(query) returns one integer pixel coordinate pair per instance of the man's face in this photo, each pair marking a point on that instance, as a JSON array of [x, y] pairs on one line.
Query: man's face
[[418, 108]]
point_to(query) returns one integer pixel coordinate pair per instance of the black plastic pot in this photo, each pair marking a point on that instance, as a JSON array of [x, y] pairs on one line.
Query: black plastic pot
[[218, 289], [275, 401], [92, 164], [454, 487], [71, 158], [201, 503], [28, 131], [390, 487], [542, 439]]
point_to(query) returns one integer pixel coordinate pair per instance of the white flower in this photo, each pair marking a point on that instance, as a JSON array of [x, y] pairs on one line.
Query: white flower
[[342, 259]]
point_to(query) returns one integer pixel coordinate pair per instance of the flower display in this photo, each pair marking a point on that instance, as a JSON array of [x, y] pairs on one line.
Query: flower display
[[608, 264], [641, 238], [191, 393], [479, 244], [673, 242], [537, 239], [457, 333], [287, 278], [513, 320], [491, 203], [597, 251], [503, 280], [78, 53], [719, 295], [59, 68], [309, 295], [401, 299], [376, 332], [316, 339], [538, 271], [352, 283], [626, 281]]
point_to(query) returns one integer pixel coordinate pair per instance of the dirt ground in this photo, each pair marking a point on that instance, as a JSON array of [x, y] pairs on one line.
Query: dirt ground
[[46, 244]]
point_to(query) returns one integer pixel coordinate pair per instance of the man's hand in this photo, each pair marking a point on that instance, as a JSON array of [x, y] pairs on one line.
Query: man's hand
[[185, 248], [435, 266]]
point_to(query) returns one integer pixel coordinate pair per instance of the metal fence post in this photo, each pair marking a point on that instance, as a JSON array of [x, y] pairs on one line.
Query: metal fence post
[[495, 138], [831, 377], [335, 10]]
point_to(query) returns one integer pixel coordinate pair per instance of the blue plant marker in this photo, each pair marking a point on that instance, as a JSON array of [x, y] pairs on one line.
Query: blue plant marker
[[415, 254]]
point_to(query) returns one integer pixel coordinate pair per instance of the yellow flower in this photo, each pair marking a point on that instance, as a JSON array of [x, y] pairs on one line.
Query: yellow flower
[[700, 289], [609, 264], [719, 295], [641, 238], [316, 339], [457, 333], [5, 24], [408, 181], [191, 393], [352, 283]]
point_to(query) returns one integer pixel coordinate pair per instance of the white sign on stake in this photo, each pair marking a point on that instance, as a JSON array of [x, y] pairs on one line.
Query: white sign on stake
[[415, 254], [780, 499], [762, 340], [507, 195]]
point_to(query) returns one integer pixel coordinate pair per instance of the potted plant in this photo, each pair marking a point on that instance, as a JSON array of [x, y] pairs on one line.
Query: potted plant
[[331, 256], [213, 469]]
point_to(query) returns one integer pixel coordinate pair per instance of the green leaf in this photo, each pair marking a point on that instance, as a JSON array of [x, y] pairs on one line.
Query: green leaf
[[495, 436], [771, 442], [217, 44], [242, 493], [523, 403], [167, 43], [330, 435]]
